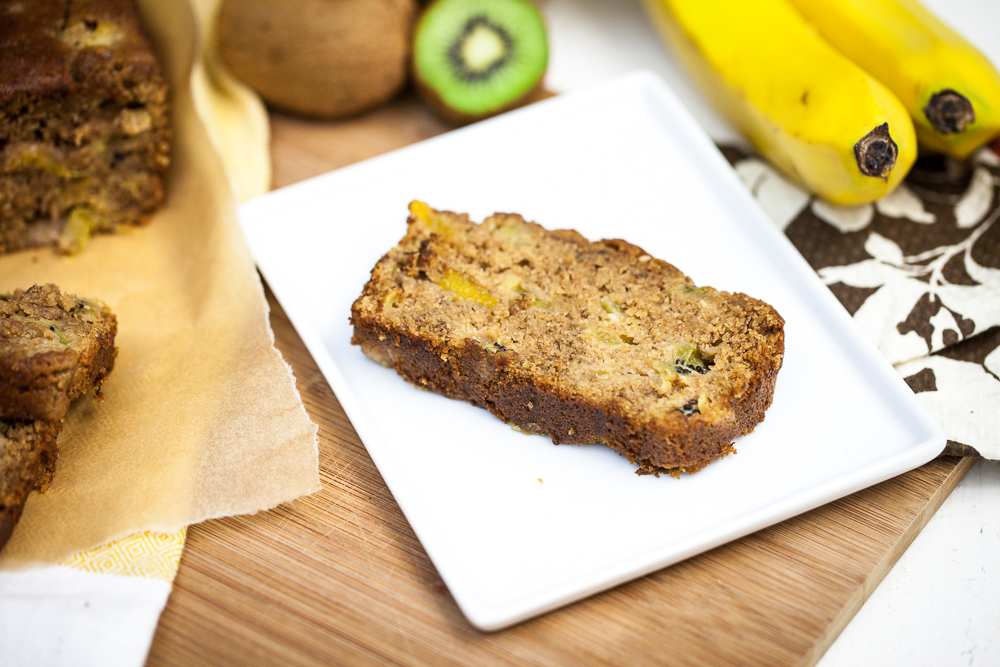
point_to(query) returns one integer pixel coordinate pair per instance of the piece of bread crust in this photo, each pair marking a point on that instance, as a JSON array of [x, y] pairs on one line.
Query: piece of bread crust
[[582, 341], [53, 348]]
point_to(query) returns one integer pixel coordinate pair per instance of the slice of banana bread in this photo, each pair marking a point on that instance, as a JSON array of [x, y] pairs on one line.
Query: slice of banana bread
[[582, 341], [53, 348], [27, 461], [84, 125]]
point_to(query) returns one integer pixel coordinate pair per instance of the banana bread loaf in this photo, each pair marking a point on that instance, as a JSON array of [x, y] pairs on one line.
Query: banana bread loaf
[[53, 348], [582, 341], [84, 127]]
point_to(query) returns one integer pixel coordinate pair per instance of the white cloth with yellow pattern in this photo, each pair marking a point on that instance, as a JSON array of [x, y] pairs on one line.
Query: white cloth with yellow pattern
[[101, 606]]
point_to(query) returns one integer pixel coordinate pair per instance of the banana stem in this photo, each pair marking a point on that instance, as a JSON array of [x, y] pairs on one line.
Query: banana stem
[[876, 152], [949, 112]]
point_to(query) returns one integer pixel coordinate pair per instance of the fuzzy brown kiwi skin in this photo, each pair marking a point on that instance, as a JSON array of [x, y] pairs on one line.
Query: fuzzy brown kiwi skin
[[315, 57], [457, 118]]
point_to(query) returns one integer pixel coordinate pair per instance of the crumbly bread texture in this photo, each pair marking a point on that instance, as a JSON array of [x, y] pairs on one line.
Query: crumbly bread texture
[[582, 341], [53, 348], [84, 126], [27, 461]]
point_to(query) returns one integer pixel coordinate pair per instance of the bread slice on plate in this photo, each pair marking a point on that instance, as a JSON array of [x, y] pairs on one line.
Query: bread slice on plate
[[583, 341]]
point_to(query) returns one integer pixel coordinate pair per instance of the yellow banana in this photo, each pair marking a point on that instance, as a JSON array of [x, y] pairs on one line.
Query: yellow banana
[[812, 112], [949, 87]]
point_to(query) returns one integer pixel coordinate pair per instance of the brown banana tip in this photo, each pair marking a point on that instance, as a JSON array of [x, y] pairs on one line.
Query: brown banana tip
[[876, 152], [949, 112]]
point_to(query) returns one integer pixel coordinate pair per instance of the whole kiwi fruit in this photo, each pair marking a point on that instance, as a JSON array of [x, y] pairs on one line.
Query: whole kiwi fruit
[[473, 59], [320, 58]]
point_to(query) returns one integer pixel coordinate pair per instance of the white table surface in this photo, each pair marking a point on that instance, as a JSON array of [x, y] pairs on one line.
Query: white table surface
[[940, 604]]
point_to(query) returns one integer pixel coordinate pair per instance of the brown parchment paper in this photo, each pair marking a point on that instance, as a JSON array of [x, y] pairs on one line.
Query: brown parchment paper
[[201, 418]]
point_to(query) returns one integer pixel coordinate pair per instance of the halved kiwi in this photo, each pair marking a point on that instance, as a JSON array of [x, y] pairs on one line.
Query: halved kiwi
[[476, 58]]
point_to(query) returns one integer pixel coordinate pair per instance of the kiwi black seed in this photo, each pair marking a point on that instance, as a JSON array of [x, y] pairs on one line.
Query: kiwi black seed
[[476, 58]]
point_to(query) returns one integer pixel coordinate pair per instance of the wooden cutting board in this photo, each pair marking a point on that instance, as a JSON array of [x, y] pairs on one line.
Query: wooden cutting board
[[339, 577]]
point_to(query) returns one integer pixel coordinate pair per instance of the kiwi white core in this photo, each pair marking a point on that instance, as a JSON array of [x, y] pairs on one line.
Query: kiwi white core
[[483, 48]]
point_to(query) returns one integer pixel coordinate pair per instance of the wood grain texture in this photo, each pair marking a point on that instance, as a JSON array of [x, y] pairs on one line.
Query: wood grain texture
[[339, 578]]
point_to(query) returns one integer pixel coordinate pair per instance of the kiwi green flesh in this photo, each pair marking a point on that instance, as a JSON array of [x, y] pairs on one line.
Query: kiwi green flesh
[[479, 56]]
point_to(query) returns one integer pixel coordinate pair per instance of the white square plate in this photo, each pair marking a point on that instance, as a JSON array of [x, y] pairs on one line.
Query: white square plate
[[515, 525]]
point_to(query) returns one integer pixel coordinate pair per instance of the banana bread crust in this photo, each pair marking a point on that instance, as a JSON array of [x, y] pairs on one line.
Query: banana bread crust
[[589, 357]]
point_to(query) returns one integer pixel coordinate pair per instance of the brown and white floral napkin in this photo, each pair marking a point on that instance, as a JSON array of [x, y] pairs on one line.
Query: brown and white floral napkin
[[919, 270]]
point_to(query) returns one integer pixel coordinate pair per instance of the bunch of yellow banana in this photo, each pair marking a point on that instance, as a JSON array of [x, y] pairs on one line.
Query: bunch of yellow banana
[[824, 118], [950, 89]]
